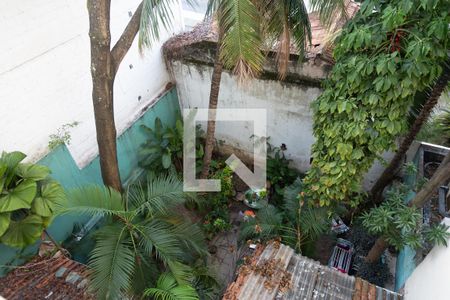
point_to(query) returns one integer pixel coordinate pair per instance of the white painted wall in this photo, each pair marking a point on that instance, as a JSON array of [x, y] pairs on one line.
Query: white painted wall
[[430, 280], [45, 79], [288, 110]]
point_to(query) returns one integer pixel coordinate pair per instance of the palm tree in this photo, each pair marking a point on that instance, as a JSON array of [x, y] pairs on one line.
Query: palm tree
[[167, 288], [391, 170], [147, 20], [244, 28], [143, 235]]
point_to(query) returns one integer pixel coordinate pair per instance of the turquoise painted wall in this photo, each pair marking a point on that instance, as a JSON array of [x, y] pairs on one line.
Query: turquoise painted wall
[[406, 262], [70, 176]]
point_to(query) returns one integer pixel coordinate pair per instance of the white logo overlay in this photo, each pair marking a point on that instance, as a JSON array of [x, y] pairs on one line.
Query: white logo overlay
[[256, 179]]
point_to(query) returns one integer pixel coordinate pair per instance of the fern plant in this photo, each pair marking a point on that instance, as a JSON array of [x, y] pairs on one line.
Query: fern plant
[[143, 236], [28, 200], [297, 224]]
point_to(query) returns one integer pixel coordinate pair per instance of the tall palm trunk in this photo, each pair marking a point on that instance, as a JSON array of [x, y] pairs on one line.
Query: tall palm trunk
[[441, 176], [104, 65], [389, 173], [213, 100]]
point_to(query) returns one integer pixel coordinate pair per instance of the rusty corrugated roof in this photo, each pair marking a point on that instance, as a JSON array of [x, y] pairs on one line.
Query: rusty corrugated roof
[[55, 277], [275, 272]]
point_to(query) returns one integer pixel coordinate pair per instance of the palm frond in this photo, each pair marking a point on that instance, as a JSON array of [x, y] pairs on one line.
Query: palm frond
[[287, 22], [330, 11], [157, 237], [155, 13], [94, 200], [266, 225], [167, 288], [241, 45], [112, 262], [159, 196], [190, 235]]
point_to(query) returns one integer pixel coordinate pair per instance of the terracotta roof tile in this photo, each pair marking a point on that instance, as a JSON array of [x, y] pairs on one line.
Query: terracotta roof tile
[[55, 277]]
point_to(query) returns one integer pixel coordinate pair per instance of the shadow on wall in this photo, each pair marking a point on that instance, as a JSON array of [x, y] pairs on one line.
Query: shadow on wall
[[70, 176]]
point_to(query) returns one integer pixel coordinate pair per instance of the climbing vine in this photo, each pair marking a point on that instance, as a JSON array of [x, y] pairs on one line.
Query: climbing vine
[[390, 51]]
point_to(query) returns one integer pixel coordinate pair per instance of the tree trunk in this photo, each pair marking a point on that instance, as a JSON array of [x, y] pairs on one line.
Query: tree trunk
[[213, 100], [104, 66], [440, 177], [376, 251], [102, 90], [389, 173]]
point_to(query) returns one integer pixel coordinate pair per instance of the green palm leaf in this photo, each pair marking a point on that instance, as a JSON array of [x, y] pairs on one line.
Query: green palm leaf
[[330, 10], [167, 288], [241, 45], [112, 262], [156, 14], [93, 201]]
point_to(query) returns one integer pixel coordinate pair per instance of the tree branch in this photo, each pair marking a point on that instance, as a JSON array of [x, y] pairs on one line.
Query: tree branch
[[125, 41]]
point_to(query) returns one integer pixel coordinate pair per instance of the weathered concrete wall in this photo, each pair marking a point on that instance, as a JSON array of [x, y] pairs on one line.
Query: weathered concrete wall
[[287, 102], [430, 279], [288, 111], [45, 79]]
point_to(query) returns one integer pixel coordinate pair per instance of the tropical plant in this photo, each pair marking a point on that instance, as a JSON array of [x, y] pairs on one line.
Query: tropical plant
[[401, 225], [248, 27], [388, 52], [148, 19], [164, 148], [279, 174], [143, 235], [439, 177], [28, 200], [217, 219], [437, 129], [297, 224], [167, 288]]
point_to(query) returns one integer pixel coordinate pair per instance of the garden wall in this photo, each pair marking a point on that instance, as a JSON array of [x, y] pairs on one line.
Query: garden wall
[[45, 78], [287, 102], [65, 170]]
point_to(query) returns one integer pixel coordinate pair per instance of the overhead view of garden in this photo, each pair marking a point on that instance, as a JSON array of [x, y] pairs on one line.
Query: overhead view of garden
[[353, 196]]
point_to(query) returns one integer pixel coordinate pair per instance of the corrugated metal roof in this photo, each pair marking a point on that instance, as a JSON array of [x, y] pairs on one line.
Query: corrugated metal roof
[[265, 276], [56, 277]]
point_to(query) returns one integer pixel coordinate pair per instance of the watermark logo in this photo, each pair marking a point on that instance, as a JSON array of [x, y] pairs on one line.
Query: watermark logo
[[255, 179]]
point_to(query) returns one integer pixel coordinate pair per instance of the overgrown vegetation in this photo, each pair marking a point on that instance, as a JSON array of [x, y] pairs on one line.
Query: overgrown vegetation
[[279, 174], [144, 236], [163, 150], [29, 200], [296, 223], [402, 225], [62, 136], [384, 56]]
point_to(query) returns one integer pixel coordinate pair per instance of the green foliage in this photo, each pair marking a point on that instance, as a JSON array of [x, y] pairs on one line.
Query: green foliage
[[389, 52], [279, 174], [217, 219], [164, 149], [62, 136], [143, 236], [28, 200], [297, 223], [167, 288], [437, 129], [400, 224]]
